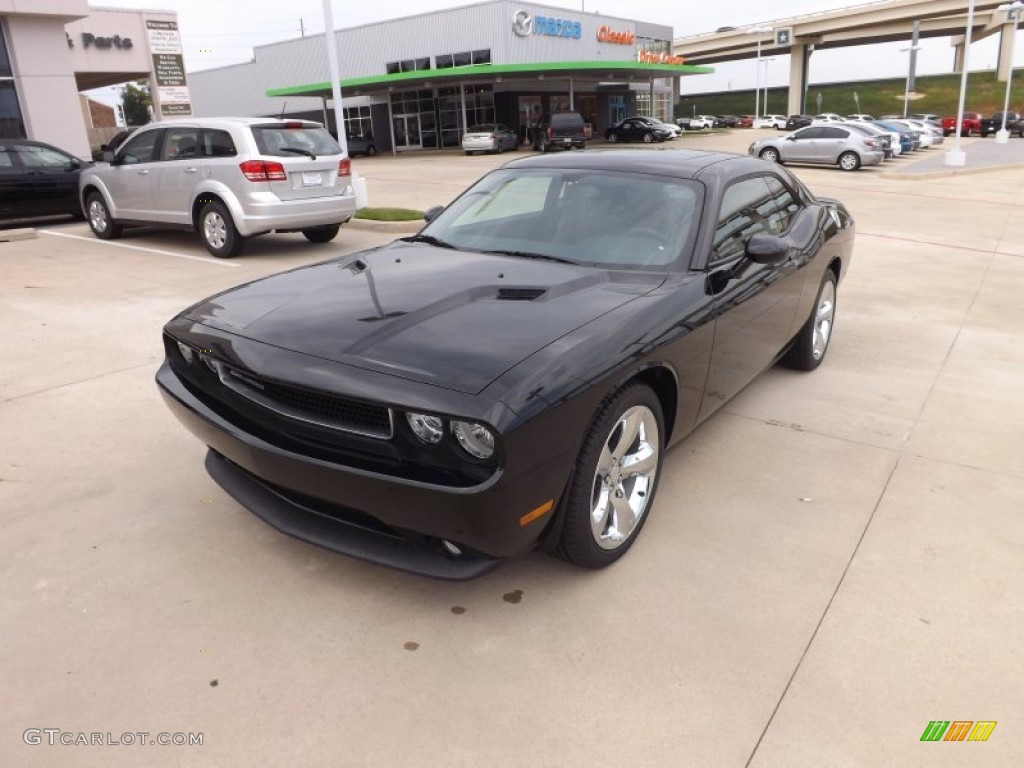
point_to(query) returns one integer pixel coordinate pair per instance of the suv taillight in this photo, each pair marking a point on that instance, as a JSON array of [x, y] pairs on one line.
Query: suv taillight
[[551, 132], [261, 170], [344, 167]]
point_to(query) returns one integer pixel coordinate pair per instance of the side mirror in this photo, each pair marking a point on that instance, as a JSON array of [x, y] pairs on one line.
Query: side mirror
[[74, 164], [432, 213], [108, 156], [791, 137], [764, 248]]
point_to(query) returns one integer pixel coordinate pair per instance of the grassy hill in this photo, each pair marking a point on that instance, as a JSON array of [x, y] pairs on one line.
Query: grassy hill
[[937, 94]]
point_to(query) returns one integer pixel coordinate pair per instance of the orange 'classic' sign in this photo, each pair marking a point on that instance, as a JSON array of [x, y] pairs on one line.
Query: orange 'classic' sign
[[606, 34]]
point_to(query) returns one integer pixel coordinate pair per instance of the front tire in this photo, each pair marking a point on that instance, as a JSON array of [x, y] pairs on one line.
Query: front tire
[[218, 231], [615, 479], [849, 161], [100, 221], [811, 344], [648, 138], [770, 154], [321, 234]]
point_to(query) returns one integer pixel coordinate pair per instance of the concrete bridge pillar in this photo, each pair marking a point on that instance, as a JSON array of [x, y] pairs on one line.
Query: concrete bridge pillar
[[959, 49], [1005, 51], [799, 64]]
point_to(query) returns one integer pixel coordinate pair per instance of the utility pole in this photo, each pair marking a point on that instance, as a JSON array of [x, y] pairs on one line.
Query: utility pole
[[302, 27]]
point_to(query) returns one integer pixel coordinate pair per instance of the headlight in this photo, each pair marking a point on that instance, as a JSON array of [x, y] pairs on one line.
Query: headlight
[[186, 352], [475, 439], [429, 429]]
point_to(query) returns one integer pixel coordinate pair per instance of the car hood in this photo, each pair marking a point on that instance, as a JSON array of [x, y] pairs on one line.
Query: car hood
[[451, 318]]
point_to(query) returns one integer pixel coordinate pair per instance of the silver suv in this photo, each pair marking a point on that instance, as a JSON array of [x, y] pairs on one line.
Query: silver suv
[[229, 178]]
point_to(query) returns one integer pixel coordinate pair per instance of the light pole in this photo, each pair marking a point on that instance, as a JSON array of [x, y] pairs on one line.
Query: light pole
[[956, 156], [906, 89], [757, 90], [767, 61], [1013, 13]]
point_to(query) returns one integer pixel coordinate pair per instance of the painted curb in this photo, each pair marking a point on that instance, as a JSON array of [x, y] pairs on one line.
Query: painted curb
[[400, 227]]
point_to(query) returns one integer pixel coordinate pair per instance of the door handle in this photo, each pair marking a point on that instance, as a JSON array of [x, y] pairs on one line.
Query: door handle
[[191, 170], [143, 172]]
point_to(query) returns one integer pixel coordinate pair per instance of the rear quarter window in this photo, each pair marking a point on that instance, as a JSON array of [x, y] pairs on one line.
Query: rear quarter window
[[283, 142]]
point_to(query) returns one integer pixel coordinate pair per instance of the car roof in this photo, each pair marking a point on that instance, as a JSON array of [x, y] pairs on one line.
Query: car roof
[[676, 163], [226, 121]]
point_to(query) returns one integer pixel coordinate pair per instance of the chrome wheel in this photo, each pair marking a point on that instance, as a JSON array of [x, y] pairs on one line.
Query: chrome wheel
[[823, 319], [97, 215], [770, 155], [849, 161], [215, 230], [624, 479]]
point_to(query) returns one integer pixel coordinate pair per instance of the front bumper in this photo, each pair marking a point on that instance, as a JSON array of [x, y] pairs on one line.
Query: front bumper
[[325, 502]]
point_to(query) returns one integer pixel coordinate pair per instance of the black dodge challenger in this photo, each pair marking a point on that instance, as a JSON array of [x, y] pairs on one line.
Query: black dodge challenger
[[510, 377]]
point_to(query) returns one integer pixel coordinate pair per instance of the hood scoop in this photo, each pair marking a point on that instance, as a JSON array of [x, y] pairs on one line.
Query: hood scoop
[[520, 294]]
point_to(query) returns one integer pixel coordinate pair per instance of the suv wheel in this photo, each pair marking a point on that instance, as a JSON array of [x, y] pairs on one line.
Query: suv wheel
[[218, 231], [321, 234], [100, 222]]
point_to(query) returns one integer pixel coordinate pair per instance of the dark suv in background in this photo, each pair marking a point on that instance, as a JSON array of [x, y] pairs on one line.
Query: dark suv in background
[[559, 129], [798, 121]]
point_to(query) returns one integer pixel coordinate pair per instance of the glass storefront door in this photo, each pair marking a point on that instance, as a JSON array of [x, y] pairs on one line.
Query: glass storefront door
[[407, 132]]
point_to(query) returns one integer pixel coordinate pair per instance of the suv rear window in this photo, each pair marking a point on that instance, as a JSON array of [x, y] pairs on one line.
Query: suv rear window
[[283, 141], [570, 120]]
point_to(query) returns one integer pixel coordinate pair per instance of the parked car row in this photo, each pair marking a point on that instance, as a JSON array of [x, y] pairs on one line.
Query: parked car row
[[976, 123], [847, 143]]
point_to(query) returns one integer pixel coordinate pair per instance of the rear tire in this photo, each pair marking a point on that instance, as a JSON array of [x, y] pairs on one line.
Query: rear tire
[[100, 221], [849, 161], [218, 231], [321, 234], [811, 344], [371, 151]]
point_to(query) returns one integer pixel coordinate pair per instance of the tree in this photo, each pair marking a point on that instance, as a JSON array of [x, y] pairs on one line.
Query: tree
[[136, 102]]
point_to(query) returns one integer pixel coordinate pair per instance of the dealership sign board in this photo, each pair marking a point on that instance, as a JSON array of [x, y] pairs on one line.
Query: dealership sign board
[[168, 67]]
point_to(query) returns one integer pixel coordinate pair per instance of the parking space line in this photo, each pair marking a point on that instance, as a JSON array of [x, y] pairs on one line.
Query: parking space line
[[157, 251]]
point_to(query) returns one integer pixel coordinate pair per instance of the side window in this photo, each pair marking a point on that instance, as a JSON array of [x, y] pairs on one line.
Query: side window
[[810, 133], [746, 209], [834, 133], [140, 149], [34, 156], [180, 143], [218, 144], [6, 161], [786, 205]]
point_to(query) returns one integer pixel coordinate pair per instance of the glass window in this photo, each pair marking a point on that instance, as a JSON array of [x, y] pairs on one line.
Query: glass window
[[463, 59], [786, 205], [292, 142], [11, 124], [394, 67], [6, 161], [140, 149], [834, 133], [443, 62], [482, 57], [180, 143], [218, 144], [5, 60], [423, 63], [746, 207], [35, 156]]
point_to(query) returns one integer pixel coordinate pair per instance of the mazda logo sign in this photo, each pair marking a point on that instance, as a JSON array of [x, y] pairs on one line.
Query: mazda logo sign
[[522, 23]]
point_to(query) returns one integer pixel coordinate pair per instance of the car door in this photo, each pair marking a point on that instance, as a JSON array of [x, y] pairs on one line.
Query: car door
[[15, 197], [128, 179], [829, 144], [800, 146], [755, 304], [175, 175], [631, 130], [51, 177]]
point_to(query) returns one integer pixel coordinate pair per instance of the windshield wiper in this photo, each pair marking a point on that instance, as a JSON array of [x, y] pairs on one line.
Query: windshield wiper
[[532, 255], [429, 239], [298, 151]]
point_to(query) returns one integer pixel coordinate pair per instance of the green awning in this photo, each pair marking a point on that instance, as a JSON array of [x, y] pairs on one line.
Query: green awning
[[584, 70]]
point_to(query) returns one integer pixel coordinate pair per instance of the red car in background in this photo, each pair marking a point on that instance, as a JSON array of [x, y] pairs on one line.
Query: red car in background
[[970, 125], [745, 121]]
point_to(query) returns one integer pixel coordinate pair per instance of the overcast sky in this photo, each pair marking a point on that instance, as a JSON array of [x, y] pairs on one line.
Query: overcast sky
[[217, 33]]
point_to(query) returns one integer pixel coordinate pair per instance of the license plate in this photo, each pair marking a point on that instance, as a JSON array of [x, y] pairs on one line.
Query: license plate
[[312, 179]]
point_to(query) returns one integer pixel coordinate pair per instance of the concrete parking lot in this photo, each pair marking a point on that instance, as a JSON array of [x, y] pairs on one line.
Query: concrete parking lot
[[835, 559]]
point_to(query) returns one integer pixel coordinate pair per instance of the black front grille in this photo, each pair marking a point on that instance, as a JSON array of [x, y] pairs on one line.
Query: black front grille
[[309, 405], [520, 294]]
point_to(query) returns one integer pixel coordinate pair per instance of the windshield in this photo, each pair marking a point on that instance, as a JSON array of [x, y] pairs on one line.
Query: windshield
[[621, 220], [288, 141]]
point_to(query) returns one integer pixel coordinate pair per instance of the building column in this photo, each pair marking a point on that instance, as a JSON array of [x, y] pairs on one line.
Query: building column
[[959, 49], [1005, 51], [798, 64]]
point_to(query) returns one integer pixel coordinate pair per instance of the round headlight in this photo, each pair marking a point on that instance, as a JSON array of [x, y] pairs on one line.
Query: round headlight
[[429, 429], [476, 439], [186, 352]]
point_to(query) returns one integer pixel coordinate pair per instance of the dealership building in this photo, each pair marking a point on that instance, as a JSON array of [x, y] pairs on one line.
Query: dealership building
[[51, 50], [417, 82]]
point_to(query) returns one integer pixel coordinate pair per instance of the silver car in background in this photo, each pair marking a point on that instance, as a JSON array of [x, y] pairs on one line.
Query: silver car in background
[[822, 144], [229, 178], [489, 137]]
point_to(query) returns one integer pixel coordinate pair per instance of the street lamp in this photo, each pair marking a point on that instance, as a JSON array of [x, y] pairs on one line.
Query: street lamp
[[956, 156], [1013, 13], [906, 89], [767, 61], [757, 90]]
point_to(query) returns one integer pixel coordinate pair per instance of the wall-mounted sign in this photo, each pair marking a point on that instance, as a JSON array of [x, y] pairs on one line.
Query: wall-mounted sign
[[524, 25], [650, 57], [90, 40], [609, 35], [784, 36], [168, 68]]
